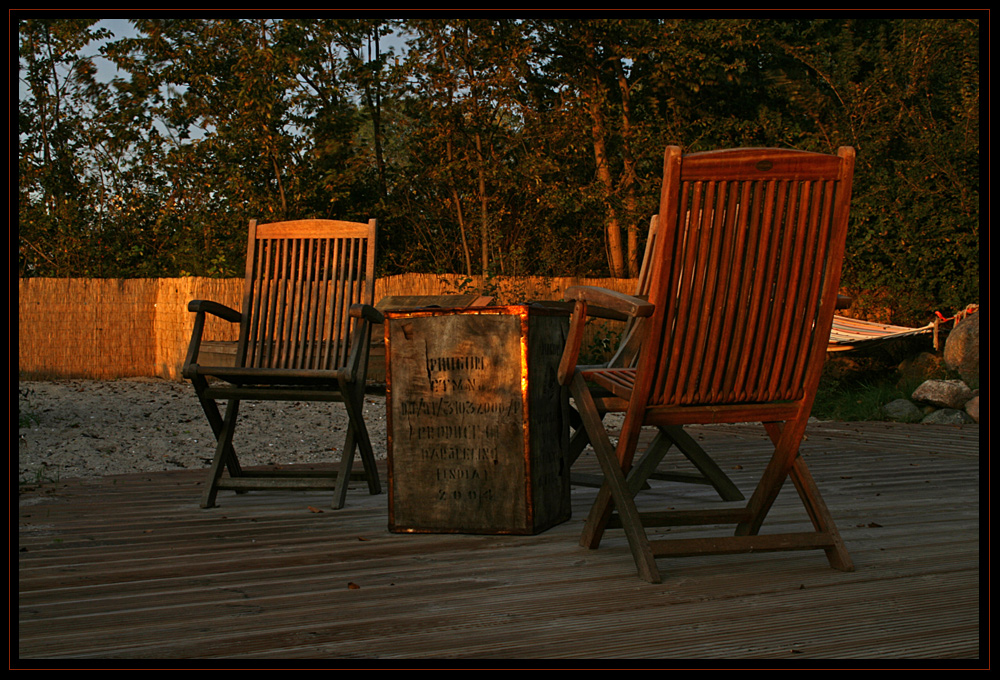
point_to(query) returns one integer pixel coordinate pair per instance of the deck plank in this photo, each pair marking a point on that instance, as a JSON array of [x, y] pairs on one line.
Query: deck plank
[[130, 567]]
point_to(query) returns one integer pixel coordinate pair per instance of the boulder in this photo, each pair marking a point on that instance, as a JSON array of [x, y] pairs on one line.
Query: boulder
[[924, 366], [943, 393], [902, 411], [972, 408], [961, 349], [947, 416], [839, 367]]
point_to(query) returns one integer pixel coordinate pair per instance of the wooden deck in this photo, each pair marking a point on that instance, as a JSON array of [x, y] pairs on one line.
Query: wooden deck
[[130, 568]]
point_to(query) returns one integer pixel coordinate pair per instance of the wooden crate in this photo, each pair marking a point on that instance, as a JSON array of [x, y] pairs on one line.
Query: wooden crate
[[376, 355], [477, 423]]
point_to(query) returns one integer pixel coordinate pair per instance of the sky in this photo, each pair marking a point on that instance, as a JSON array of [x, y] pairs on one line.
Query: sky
[[123, 28], [106, 71]]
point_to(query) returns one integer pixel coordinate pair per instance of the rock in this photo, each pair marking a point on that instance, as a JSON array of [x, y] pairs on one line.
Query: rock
[[961, 350], [839, 367], [972, 408], [924, 366], [902, 411], [943, 393], [948, 416]]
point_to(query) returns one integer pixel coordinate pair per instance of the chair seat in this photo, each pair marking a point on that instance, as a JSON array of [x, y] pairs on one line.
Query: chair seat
[[273, 392], [270, 376], [619, 381]]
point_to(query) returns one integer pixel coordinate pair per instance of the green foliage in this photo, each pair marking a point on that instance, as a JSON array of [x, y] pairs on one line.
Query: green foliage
[[905, 94], [604, 340], [857, 385], [488, 147], [855, 402]]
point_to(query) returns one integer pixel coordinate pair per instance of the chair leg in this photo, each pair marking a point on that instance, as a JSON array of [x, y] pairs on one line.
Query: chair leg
[[224, 453], [787, 462], [646, 467], [617, 493], [215, 421], [614, 492], [346, 464], [368, 460], [820, 515], [357, 437], [579, 440], [786, 448], [708, 468], [813, 501]]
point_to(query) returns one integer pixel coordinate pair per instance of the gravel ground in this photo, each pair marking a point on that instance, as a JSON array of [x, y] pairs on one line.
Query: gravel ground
[[90, 428]]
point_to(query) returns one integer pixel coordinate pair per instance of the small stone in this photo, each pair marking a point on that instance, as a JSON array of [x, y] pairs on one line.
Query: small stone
[[902, 411]]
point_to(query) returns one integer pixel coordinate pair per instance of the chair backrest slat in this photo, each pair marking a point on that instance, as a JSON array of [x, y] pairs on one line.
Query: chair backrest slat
[[253, 302], [747, 262], [308, 306], [341, 297], [302, 279]]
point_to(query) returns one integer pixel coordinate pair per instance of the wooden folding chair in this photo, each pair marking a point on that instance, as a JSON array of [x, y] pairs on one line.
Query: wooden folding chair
[[305, 330], [744, 285], [706, 470]]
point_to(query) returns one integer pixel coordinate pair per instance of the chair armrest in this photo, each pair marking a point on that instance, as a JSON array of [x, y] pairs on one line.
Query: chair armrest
[[368, 313], [201, 308], [357, 362], [214, 308], [629, 305]]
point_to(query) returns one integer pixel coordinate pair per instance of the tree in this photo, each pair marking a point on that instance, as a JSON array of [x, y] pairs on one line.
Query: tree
[[630, 87], [263, 121], [504, 146], [905, 94], [465, 120], [55, 169]]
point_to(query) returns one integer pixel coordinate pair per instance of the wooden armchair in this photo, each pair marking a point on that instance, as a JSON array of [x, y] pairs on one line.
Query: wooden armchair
[[706, 470], [743, 290], [305, 329]]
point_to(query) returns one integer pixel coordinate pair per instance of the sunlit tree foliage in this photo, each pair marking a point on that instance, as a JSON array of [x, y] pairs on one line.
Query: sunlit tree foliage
[[486, 146]]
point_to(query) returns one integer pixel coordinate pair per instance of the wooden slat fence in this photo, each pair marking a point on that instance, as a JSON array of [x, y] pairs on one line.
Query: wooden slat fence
[[117, 328]]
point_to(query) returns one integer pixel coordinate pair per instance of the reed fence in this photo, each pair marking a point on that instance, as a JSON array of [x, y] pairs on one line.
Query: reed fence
[[117, 328]]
